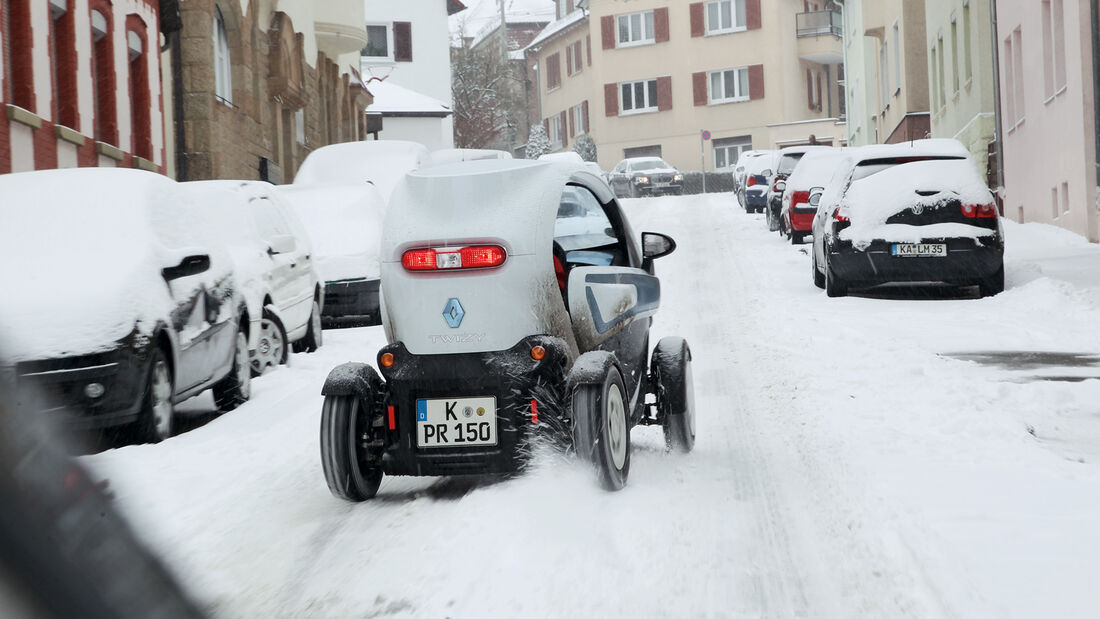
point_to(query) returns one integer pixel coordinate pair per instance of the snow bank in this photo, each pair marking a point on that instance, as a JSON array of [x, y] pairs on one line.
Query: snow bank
[[344, 223]]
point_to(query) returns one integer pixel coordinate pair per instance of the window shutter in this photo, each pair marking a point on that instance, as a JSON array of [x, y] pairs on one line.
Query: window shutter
[[697, 28], [572, 125], [752, 14], [809, 89], [756, 81], [607, 29], [584, 115], [564, 137], [660, 24], [402, 41], [546, 125], [664, 93], [569, 59], [588, 45], [699, 86], [611, 99]]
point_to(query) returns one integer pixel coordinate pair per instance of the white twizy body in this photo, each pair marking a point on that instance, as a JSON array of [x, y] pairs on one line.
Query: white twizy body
[[516, 301]]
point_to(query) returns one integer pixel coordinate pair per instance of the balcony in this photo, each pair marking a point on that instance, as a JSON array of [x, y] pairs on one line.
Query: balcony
[[819, 36], [339, 26], [816, 23]]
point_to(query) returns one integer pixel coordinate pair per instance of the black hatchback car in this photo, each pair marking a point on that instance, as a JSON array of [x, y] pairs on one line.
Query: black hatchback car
[[122, 307], [645, 176]]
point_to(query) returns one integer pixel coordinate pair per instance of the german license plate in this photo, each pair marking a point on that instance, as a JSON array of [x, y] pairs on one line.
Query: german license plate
[[456, 422], [918, 250]]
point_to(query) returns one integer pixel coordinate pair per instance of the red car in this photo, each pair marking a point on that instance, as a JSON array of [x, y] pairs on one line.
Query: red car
[[803, 190]]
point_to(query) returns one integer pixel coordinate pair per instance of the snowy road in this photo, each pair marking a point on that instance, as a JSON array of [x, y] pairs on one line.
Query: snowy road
[[847, 465]]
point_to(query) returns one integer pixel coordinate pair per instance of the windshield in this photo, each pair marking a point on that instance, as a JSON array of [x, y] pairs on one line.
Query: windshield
[[649, 164], [868, 167]]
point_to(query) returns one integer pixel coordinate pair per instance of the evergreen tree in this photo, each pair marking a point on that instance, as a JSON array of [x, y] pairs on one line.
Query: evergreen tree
[[585, 146], [538, 143]]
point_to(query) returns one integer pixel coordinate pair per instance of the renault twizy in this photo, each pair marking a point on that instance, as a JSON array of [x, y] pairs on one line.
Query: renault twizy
[[516, 301]]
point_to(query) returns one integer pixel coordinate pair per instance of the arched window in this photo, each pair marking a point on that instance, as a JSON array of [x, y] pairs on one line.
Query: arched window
[[140, 99], [223, 80], [103, 70]]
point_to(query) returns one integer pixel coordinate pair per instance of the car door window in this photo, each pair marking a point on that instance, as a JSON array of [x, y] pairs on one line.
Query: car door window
[[584, 231]]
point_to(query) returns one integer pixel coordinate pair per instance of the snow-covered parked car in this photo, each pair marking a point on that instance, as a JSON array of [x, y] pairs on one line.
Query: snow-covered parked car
[[444, 156], [803, 190], [741, 165], [124, 302], [380, 162], [344, 224], [273, 263], [786, 160], [911, 212], [645, 176], [503, 326], [753, 193]]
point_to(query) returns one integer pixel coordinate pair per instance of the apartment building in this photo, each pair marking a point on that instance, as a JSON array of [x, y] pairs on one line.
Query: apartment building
[[887, 70], [1048, 98], [80, 84], [644, 77], [959, 39]]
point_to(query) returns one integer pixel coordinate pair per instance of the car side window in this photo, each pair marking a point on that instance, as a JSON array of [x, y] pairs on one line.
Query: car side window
[[269, 220], [584, 231]]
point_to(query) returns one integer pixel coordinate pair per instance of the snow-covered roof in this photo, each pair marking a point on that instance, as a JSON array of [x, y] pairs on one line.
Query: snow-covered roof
[[557, 26], [389, 98], [482, 17]]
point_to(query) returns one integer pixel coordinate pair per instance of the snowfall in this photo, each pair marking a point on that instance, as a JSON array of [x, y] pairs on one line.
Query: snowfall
[[867, 456]]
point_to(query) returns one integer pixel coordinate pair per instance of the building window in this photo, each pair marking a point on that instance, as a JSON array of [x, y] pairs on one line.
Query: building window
[[725, 16], [1018, 66], [579, 119], [553, 71], [954, 55], [140, 100], [730, 85], [555, 131], [969, 63], [573, 58], [103, 84], [1059, 47], [1054, 202], [223, 80], [1010, 83], [728, 150], [1048, 51], [636, 29], [940, 70], [639, 96], [934, 82], [378, 42], [300, 125]]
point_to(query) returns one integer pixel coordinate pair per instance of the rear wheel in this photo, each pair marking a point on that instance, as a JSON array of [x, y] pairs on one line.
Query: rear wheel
[[601, 429], [312, 341], [157, 419], [796, 237], [234, 390], [671, 365], [344, 427], [994, 284], [834, 286], [271, 349], [819, 277]]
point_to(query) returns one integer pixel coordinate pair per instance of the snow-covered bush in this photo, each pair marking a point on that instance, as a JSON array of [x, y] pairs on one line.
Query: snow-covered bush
[[585, 146], [538, 143]]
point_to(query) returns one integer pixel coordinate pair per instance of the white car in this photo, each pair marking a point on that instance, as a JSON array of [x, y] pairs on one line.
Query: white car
[[274, 265], [382, 163]]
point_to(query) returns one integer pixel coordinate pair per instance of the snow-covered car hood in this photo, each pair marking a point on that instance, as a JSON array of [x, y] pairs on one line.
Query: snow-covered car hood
[[344, 222]]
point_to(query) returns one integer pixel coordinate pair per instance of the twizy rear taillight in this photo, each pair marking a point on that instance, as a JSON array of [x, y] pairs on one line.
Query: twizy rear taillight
[[449, 258]]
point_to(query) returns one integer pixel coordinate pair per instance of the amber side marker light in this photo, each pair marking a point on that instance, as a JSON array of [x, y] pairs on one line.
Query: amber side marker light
[[387, 359], [538, 353]]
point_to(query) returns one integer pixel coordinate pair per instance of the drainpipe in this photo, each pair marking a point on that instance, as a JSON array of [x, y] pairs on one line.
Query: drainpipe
[[177, 106], [1092, 208], [999, 137], [847, 73]]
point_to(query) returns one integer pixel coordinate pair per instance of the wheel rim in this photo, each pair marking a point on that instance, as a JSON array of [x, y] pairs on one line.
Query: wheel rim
[[271, 348], [616, 426], [161, 392], [244, 375]]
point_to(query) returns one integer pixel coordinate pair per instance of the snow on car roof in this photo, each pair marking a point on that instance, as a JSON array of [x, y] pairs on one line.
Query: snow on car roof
[[756, 165], [382, 162], [816, 168], [935, 147]]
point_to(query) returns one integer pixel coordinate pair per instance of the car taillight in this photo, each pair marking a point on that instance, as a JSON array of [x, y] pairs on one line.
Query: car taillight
[[839, 216], [799, 197], [979, 210], [751, 181], [450, 258]]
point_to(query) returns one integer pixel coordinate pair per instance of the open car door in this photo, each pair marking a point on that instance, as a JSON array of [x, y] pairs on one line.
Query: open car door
[[603, 301]]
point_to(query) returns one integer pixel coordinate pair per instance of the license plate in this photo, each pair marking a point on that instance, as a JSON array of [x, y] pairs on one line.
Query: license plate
[[456, 422], [919, 250], [661, 184]]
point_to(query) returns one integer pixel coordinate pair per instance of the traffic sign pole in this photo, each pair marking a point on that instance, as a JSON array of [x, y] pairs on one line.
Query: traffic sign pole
[[704, 135]]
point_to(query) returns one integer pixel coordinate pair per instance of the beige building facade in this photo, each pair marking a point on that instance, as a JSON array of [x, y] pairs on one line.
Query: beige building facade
[[1047, 113], [644, 77], [958, 35], [887, 70]]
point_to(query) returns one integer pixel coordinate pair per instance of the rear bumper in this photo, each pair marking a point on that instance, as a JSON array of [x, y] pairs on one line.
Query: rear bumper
[[966, 262], [802, 222], [511, 376], [755, 199], [351, 302]]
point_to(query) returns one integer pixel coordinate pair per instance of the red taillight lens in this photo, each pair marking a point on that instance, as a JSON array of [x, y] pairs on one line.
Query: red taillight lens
[[838, 216], [979, 210], [444, 259], [799, 197], [751, 181]]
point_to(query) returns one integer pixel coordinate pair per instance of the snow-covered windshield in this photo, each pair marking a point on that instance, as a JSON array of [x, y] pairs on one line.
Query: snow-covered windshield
[[649, 164], [868, 167]]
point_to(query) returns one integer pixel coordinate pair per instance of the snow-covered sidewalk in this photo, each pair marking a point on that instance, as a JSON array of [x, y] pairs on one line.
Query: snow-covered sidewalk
[[848, 463]]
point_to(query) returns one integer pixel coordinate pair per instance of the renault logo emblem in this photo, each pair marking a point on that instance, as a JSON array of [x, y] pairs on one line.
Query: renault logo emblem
[[453, 313]]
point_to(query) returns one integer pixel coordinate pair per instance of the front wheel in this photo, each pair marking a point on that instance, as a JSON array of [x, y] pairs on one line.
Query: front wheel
[[234, 390], [157, 419], [601, 428], [344, 424], [671, 365], [312, 341], [271, 350]]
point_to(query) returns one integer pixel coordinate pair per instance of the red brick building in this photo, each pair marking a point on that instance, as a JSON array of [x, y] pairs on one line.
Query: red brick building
[[80, 84]]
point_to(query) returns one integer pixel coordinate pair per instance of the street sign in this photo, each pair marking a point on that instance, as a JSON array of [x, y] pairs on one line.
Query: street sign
[[706, 134]]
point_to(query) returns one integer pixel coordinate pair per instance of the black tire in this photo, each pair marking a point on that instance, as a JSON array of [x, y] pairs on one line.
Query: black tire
[[234, 390], [272, 348], [819, 277], [796, 238], [156, 421], [671, 364], [834, 286], [994, 284], [343, 423], [312, 340], [601, 429]]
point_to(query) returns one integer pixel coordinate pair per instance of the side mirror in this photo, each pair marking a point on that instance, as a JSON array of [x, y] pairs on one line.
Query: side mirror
[[282, 244], [655, 245], [191, 265]]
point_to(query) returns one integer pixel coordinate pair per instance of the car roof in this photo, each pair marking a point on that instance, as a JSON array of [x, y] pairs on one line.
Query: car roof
[[816, 168], [932, 147]]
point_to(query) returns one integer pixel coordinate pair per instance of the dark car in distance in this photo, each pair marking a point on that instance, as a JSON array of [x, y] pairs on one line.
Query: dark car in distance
[[645, 176]]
